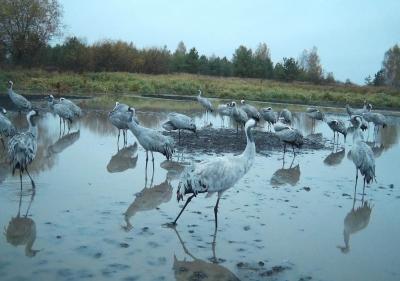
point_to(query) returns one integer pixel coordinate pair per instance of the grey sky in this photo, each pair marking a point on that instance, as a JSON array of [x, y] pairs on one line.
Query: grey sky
[[351, 36]]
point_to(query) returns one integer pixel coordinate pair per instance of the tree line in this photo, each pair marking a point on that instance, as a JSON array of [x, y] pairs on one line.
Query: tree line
[[27, 26]]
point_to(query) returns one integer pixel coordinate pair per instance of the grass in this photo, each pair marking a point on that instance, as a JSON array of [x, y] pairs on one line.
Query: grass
[[109, 85]]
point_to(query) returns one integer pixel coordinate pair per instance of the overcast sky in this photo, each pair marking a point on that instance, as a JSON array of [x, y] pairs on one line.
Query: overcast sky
[[351, 36]]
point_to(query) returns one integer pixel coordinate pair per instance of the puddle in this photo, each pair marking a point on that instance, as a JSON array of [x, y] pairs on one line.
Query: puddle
[[98, 214]]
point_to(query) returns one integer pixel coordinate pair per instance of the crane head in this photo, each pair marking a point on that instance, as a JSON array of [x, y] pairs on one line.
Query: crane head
[[10, 84], [3, 110], [242, 102], [233, 103], [356, 120], [49, 98]]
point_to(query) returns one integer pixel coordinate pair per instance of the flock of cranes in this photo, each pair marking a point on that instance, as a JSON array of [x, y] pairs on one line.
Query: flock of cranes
[[211, 176]]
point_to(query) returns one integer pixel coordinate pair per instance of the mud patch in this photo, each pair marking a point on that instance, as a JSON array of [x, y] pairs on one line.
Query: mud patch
[[212, 140]]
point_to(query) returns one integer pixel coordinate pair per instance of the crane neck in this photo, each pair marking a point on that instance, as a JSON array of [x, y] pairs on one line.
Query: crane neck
[[250, 150], [10, 91], [32, 126], [357, 135], [134, 127]]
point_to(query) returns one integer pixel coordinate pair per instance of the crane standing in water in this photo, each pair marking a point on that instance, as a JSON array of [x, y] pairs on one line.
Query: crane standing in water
[[152, 140], [250, 110], [19, 101], [315, 114], [205, 103], [287, 116], [239, 115], [7, 128], [337, 126], [218, 174], [22, 147], [361, 154], [269, 115], [120, 116], [224, 110], [178, 121]]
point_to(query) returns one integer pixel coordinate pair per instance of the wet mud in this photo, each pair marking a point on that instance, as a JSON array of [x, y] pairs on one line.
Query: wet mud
[[222, 140]]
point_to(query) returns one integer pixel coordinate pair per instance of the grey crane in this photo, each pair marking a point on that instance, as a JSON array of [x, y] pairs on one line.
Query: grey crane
[[76, 110], [178, 121], [224, 110], [290, 136], [22, 147], [152, 140], [363, 126], [315, 114], [376, 118], [250, 110], [217, 174], [63, 111], [287, 116], [19, 101], [7, 128], [280, 126], [239, 115], [205, 103], [337, 126], [120, 119], [361, 154], [354, 111], [121, 106], [269, 115], [124, 107]]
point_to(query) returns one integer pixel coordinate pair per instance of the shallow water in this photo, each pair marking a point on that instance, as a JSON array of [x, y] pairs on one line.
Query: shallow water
[[94, 215]]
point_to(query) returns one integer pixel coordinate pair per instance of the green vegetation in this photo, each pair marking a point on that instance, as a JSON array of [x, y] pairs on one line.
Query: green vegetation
[[110, 85]]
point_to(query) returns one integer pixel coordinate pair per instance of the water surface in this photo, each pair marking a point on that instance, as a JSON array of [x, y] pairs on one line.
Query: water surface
[[96, 215]]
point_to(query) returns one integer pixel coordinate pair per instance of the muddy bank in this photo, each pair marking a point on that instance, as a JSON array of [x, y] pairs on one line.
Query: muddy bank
[[215, 140]]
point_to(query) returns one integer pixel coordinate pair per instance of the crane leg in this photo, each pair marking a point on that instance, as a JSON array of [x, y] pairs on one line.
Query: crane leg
[[147, 160], [362, 198], [179, 136], [20, 179], [216, 213], [32, 182], [152, 160], [2, 141], [184, 206], [119, 133]]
